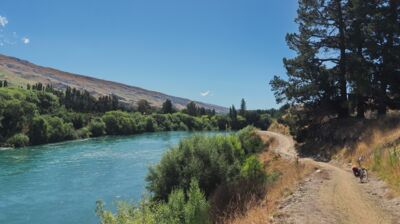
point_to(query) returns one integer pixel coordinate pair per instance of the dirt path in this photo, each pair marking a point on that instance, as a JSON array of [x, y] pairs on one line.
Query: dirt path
[[333, 195]]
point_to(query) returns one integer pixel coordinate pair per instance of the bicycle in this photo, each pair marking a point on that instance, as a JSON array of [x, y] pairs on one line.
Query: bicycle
[[360, 171]]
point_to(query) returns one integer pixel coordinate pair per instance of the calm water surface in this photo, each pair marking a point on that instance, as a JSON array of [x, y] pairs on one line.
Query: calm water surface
[[60, 183]]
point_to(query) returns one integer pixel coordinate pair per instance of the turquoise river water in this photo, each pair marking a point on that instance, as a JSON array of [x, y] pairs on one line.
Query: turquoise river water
[[60, 183]]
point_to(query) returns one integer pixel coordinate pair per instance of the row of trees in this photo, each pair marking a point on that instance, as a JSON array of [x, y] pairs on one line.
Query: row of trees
[[348, 58], [41, 114], [83, 101], [194, 110], [257, 118]]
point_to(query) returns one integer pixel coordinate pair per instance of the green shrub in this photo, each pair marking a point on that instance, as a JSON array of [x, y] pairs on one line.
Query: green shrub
[[39, 130], [79, 120], [15, 114], [221, 121], [47, 102], [264, 122], [119, 123], [252, 170], [97, 127], [192, 208], [251, 141], [162, 121], [60, 131], [18, 140], [197, 207], [83, 133], [211, 160], [151, 124]]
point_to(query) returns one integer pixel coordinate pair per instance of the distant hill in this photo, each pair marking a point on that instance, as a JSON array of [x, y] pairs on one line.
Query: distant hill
[[21, 72]]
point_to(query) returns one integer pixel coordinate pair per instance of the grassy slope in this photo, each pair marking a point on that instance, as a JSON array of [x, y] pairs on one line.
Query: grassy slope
[[19, 73]]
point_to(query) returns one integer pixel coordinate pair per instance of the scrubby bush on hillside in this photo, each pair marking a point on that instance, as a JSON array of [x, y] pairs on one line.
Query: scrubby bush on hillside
[[250, 140], [252, 170]]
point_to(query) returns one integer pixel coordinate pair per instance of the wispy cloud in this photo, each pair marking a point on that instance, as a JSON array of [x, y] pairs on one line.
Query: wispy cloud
[[10, 38], [206, 93], [3, 21], [25, 40]]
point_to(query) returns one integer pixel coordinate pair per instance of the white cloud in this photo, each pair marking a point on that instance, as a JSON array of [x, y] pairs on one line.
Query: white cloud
[[25, 40], [3, 21], [206, 93]]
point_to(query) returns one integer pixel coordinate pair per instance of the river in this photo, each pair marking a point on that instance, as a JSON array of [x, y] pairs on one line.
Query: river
[[60, 183]]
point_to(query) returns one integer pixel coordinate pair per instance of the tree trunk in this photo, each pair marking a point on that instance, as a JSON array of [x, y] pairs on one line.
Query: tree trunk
[[388, 67], [343, 110], [360, 106]]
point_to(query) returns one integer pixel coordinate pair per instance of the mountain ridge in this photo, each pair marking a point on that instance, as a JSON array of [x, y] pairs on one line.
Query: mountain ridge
[[21, 72]]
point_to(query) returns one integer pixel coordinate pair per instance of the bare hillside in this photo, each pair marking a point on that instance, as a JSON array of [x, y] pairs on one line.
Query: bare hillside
[[20, 72]]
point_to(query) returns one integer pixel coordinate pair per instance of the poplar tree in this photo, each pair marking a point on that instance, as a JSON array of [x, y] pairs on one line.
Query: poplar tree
[[243, 108]]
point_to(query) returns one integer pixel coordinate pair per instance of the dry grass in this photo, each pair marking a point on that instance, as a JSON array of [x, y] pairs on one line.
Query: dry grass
[[290, 174], [379, 144], [279, 128], [382, 155]]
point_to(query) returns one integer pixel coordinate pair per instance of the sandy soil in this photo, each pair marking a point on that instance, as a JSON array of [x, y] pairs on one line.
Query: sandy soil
[[333, 195]]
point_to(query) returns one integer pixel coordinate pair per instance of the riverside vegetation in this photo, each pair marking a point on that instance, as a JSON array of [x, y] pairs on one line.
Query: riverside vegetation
[[183, 184], [40, 114]]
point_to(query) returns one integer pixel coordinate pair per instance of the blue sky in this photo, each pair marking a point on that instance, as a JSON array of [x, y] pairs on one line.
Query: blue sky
[[225, 49]]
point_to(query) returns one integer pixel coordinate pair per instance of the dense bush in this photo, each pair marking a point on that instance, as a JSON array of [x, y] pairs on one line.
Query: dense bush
[[83, 133], [252, 170], [16, 111], [251, 142], [119, 123], [79, 120], [47, 102], [97, 127], [211, 160], [59, 131], [39, 130], [18, 140]]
